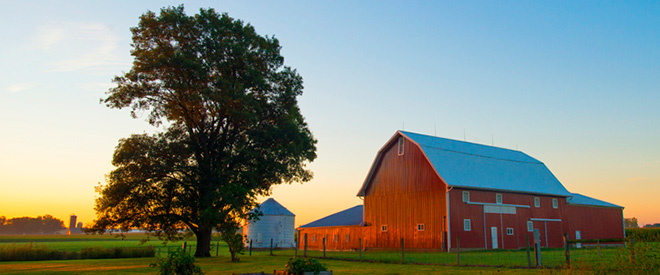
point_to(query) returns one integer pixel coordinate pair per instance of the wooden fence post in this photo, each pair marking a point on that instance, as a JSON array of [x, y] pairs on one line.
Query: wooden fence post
[[184, 246], [632, 250], [305, 245], [402, 252], [271, 246], [360, 241], [598, 244], [458, 250], [297, 243], [566, 251], [217, 248], [324, 247], [529, 259]]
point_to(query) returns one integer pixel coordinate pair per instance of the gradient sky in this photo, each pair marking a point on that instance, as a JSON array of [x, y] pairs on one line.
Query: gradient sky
[[574, 84]]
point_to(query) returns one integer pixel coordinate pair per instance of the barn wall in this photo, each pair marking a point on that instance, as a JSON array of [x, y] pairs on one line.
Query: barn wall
[[279, 228], [595, 222], [315, 237], [475, 238], [404, 191]]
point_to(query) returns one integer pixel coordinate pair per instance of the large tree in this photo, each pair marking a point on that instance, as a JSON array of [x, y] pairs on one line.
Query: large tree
[[231, 127]]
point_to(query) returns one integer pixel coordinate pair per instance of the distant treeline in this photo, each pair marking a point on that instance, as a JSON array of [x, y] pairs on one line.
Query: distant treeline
[[45, 224]]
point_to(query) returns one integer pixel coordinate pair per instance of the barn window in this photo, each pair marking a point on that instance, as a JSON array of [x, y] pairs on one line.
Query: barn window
[[401, 143], [466, 196], [555, 203], [421, 227], [537, 202], [498, 198], [313, 238], [530, 226], [383, 228], [336, 238], [509, 231], [348, 238], [467, 225]]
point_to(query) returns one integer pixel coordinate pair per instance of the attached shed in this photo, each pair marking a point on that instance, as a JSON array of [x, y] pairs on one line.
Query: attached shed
[[276, 223], [342, 230]]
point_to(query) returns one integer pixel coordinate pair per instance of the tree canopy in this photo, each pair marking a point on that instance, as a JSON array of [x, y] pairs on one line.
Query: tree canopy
[[231, 127]]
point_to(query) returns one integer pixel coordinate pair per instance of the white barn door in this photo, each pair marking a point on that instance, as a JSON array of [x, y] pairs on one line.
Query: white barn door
[[493, 235]]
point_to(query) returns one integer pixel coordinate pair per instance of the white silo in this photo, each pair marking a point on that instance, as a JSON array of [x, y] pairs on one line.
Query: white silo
[[276, 222]]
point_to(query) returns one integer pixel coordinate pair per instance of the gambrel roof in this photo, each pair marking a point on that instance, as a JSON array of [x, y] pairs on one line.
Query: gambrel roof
[[476, 166]]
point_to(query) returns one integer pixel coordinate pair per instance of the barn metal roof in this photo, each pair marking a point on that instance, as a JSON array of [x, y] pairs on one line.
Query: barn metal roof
[[470, 165], [579, 199], [351, 216], [271, 207]]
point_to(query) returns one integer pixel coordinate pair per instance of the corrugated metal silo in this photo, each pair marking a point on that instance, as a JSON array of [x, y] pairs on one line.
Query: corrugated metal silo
[[276, 223]]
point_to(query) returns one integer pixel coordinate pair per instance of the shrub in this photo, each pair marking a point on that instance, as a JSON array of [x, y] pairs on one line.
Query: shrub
[[644, 234], [177, 262], [297, 266]]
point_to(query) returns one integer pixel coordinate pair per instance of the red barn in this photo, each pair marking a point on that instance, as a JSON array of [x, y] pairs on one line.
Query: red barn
[[429, 190]]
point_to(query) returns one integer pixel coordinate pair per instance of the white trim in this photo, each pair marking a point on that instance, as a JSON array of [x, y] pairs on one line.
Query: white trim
[[469, 225], [500, 197], [555, 203], [544, 220], [499, 204], [537, 199], [449, 227], [465, 194]]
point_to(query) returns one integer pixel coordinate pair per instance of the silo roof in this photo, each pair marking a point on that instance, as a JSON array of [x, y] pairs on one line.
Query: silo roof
[[271, 207]]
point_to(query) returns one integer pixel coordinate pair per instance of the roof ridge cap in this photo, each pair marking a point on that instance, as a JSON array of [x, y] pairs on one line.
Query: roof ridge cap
[[484, 156]]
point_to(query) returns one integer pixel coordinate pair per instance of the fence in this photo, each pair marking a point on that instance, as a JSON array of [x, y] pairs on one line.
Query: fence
[[575, 253]]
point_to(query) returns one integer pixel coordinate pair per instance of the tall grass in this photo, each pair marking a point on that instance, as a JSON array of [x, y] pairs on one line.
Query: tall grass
[[36, 252], [644, 234]]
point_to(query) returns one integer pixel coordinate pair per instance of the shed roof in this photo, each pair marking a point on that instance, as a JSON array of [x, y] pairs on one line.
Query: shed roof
[[471, 165], [271, 207], [351, 216], [579, 199]]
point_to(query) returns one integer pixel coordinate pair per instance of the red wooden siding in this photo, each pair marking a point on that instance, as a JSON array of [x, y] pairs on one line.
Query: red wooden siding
[[404, 191], [595, 222], [480, 235], [315, 237]]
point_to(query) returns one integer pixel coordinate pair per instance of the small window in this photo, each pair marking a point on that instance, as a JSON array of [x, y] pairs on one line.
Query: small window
[[537, 202], [466, 196], [313, 238], [383, 228], [421, 227], [509, 231], [467, 225], [530, 226], [348, 238], [336, 238], [555, 203], [498, 198], [401, 143]]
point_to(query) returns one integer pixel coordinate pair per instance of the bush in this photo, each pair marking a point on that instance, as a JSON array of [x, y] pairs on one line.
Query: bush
[[297, 266], [177, 262]]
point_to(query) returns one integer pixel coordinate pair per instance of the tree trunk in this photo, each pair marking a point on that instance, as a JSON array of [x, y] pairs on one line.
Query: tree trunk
[[203, 243]]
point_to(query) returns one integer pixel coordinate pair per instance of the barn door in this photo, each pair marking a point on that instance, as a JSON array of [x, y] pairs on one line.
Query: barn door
[[493, 235]]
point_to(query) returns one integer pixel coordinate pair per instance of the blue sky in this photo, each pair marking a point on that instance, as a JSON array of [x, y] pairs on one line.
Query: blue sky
[[573, 84]]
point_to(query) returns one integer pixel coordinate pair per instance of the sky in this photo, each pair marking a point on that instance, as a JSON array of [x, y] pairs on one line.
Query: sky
[[574, 84]]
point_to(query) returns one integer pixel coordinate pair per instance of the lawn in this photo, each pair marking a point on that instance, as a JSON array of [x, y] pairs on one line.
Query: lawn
[[374, 261]]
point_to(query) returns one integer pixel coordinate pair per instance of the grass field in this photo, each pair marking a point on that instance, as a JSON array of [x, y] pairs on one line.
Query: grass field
[[375, 262]]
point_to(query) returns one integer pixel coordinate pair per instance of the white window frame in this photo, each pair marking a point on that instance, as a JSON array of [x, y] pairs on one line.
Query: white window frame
[[348, 237], [313, 238], [498, 198], [421, 227], [383, 228], [467, 225], [401, 148], [509, 231], [537, 202], [555, 203], [466, 196], [336, 238], [530, 226]]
